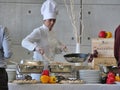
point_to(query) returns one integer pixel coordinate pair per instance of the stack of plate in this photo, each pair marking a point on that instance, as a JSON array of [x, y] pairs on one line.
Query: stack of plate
[[90, 76]]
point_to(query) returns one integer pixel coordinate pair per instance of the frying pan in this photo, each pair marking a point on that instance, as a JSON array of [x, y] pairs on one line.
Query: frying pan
[[76, 57]]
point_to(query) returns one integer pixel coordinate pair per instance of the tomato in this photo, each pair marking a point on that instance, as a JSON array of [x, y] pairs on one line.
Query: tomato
[[45, 72], [102, 34]]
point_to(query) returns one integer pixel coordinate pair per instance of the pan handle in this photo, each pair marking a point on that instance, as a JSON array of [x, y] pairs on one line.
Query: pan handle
[[85, 63]]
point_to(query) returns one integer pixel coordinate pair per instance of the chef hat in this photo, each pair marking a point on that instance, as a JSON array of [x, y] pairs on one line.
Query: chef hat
[[49, 9]]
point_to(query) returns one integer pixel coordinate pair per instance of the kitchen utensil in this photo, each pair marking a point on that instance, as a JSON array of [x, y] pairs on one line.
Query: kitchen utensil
[[60, 68], [31, 62], [13, 62], [30, 66], [114, 69], [103, 68], [76, 57], [107, 69]]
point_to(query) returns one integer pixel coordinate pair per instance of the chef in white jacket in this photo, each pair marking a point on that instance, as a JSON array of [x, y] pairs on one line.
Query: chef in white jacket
[[42, 41], [39, 41]]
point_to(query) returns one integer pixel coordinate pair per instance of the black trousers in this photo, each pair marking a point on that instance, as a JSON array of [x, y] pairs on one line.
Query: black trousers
[[3, 79]]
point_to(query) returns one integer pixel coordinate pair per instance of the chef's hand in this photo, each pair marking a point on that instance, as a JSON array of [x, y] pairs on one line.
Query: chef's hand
[[40, 50], [64, 48]]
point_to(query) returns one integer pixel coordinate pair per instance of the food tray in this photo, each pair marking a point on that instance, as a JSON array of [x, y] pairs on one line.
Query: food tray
[[61, 68], [22, 68]]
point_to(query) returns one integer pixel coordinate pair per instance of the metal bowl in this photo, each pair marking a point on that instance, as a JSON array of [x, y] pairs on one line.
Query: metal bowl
[[76, 57]]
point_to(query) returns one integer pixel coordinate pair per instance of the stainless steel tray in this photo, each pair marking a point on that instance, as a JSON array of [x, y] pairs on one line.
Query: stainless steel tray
[[61, 68], [23, 68]]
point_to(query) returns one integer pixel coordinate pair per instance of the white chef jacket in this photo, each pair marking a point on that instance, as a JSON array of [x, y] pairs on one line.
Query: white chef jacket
[[40, 37]]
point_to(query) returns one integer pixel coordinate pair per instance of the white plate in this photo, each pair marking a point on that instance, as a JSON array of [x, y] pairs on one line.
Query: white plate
[[89, 71], [90, 76]]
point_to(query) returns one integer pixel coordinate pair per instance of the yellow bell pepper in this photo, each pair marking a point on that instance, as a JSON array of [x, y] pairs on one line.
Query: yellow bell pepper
[[117, 77], [52, 79]]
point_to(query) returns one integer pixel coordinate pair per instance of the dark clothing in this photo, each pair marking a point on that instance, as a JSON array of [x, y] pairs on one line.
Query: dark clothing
[[3, 79], [117, 45]]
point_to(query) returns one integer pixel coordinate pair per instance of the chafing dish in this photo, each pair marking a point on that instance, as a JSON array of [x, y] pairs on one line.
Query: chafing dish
[[60, 68], [31, 62], [30, 66]]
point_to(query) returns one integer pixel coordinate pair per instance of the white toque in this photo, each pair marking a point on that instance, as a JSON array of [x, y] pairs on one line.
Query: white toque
[[49, 9]]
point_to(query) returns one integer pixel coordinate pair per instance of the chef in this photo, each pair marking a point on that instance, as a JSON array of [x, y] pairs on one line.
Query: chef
[[42, 41]]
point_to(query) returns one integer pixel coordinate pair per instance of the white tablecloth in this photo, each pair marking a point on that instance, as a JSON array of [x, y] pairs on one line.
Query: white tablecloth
[[13, 86]]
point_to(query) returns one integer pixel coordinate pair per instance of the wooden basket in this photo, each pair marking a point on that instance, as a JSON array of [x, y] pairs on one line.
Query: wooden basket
[[104, 46]]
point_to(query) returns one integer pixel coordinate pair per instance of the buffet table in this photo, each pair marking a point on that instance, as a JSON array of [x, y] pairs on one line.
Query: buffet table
[[13, 86]]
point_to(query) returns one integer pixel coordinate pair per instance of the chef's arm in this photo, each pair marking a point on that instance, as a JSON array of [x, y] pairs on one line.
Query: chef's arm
[[31, 46], [29, 42], [6, 44], [28, 45]]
